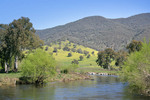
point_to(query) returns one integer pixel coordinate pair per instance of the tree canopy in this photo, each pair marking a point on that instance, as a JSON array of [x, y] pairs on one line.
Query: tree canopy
[[38, 66], [134, 46], [105, 58], [16, 37]]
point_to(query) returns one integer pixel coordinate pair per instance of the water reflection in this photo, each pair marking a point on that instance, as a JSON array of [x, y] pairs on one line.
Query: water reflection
[[101, 88]]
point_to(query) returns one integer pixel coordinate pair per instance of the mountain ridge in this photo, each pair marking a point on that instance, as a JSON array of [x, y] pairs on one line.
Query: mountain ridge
[[98, 32]]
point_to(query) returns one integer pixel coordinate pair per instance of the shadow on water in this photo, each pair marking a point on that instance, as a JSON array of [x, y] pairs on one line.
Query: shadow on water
[[101, 88]]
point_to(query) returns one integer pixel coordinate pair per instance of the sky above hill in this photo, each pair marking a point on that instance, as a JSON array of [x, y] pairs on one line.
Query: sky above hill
[[49, 13]]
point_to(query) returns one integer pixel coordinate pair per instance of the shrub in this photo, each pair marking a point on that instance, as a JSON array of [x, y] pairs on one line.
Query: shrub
[[92, 53], [46, 49], [74, 46], [86, 52], [69, 54], [55, 50], [88, 56], [73, 50], [75, 62], [136, 70], [38, 66], [69, 69], [79, 50], [66, 48], [81, 58]]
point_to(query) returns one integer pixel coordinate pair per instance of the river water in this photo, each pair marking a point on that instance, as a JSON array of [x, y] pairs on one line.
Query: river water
[[101, 88]]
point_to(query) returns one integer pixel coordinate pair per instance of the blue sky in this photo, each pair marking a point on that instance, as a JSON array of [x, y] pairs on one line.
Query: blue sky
[[49, 13]]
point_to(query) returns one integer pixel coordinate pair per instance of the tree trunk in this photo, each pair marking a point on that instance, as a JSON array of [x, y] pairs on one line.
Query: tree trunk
[[16, 64], [109, 67], [6, 67]]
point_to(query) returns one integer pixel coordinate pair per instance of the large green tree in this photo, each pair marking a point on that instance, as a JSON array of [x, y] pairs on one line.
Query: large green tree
[[38, 66], [136, 70], [121, 57], [18, 36], [105, 58], [134, 46]]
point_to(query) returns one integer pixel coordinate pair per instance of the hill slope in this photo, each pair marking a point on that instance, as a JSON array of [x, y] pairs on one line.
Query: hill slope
[[61, 56], [99, 33]]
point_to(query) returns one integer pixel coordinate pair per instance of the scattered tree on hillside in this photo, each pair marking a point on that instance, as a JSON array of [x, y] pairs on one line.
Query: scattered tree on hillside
[[88, 56], [79, 50], [74, 46], [55, 50], [67, 44], [73, 50], [69, 54], [66, 48], [75, 62], [92, 52], [105, 58], [81, 58], [46, 49], [134, 46], [121, 57], [86, 52]]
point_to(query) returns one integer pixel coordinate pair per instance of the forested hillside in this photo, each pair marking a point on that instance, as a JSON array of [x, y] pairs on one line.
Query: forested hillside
[[99, 33]]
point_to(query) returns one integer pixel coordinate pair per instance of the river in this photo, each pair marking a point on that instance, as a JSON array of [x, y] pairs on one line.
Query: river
[[101, 88]]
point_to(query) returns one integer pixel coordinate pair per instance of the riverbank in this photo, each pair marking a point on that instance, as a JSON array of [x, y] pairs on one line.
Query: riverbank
[[83, 73], [12, 79], [69, 77]]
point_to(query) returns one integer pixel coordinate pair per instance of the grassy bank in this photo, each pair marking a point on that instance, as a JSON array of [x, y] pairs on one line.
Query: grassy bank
[[96, 70], [79, 74], [12, 78], [9, 78]]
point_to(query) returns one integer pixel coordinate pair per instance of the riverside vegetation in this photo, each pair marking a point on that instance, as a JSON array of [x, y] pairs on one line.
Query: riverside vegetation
[[65, 61]]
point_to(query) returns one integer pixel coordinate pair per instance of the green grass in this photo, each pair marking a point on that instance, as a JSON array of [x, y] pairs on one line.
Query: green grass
[[62, 59], [96, 70], [10, 75], [86, 65]]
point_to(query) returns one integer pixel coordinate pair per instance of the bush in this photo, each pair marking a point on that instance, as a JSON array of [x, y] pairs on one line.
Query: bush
[[73, 50], [92, 52], [86, 52], [46, 49], [75, 62], [38, 66], [74, 46], [81, 58], [88, 56], [66, 48], [55, 50], [69, 69], [136, 70], [79, 50], [69, 54]]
